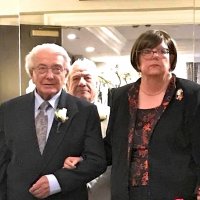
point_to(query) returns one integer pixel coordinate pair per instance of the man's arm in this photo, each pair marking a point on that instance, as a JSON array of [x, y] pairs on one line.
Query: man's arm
[[93, 163]]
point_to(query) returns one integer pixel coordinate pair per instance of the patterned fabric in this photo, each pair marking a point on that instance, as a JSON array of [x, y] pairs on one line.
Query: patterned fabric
[[41, 124], [141, 126], [146, 119]]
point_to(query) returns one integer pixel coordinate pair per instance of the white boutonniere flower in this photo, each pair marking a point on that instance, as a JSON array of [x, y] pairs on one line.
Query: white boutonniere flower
[[179, 94], [61, 115]]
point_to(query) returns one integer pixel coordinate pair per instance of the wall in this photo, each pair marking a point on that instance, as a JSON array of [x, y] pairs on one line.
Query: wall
[[9, 62]]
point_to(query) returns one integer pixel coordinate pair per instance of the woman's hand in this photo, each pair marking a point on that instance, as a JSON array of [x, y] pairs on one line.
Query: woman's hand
[[71, 162]]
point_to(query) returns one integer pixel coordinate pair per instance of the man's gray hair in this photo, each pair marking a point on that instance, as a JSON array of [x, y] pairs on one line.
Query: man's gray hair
[[84, 62], [29, 59]]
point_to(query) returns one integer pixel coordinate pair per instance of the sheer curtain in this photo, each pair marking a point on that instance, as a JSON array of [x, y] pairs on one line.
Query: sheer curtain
[[193, 71]]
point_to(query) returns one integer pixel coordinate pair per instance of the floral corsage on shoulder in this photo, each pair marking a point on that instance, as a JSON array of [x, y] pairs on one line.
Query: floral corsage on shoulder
[[61, 115], [179, 94]]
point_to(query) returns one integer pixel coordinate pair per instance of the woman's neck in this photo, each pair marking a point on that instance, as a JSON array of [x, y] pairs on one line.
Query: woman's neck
[[152, 86]]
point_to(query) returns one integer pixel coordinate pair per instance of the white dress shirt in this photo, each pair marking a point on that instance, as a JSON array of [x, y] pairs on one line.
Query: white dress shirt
[[53, 182]]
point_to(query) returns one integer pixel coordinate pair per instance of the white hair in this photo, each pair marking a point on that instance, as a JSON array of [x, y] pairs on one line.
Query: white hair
[[86, 63], [29, 59]]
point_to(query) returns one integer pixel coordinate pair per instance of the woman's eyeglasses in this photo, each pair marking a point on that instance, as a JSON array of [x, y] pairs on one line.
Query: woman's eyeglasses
[[149, 53]]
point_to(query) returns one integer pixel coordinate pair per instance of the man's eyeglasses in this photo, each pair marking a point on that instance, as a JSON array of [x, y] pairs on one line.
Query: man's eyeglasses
[[148, 53], [44, 69]]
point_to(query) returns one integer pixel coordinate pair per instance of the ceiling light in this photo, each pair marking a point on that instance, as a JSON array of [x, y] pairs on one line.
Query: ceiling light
[[71, 36], [89, 49]]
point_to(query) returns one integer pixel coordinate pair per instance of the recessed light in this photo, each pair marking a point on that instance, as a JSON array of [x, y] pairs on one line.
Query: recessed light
[[71, 36], [89, 49]]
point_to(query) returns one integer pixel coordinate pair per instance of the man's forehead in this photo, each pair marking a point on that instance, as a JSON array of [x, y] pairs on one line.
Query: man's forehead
[[82, 71]]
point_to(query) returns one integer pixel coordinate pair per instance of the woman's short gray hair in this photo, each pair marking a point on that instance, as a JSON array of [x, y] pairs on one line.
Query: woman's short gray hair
[[29, 59]]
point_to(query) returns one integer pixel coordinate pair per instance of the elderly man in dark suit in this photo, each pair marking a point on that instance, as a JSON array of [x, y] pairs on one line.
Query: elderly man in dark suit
[[34, 141], [82, 82]]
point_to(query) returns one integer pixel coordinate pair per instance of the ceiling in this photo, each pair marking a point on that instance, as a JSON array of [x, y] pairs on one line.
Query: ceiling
[[117, 41], [121, 19]]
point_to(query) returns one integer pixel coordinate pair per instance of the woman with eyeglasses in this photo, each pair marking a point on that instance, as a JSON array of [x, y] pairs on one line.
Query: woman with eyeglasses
[[153, 136]]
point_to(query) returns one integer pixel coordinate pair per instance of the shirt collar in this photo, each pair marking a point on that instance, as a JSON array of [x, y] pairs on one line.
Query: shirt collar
[[53, 101]]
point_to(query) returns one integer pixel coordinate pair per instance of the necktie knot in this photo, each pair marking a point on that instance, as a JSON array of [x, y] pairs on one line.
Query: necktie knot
[[44, 106]]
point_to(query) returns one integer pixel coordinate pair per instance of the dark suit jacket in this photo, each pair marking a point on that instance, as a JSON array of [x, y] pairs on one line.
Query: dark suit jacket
[[174, 147], [21, 163]]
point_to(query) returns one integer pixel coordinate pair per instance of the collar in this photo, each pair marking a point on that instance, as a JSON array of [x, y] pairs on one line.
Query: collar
[[53, 101]]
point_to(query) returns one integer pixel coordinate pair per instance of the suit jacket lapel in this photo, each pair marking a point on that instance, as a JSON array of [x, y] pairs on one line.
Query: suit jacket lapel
[[59, 130], [27, 113]]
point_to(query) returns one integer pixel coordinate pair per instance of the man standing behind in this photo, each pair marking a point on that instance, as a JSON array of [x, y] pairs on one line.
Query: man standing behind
[[82, 82], [34, 144]]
